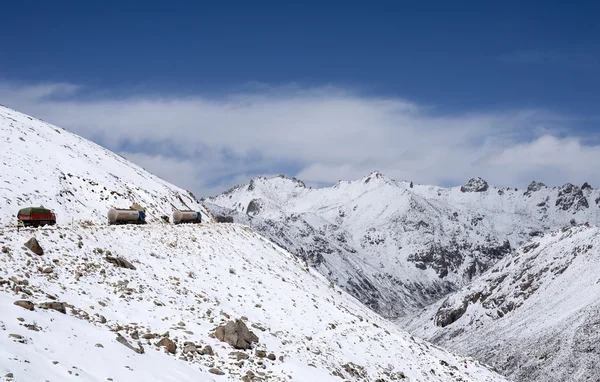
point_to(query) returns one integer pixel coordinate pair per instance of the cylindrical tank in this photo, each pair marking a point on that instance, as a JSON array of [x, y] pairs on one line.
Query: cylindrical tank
[[186, 217], [118, 216]]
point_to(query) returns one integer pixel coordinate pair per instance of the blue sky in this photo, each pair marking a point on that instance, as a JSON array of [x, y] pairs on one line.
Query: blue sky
[[474, 62]]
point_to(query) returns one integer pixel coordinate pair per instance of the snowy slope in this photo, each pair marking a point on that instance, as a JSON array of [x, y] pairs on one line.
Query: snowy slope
[[41, 164], [397, 247], [126, 288], [534, 315], [188, 280]]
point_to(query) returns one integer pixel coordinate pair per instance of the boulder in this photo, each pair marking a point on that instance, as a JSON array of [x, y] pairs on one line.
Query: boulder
[[215, 371], [239, 355], [123, 341], [475, 185], [34, 246], [207, 351], [119, 262], [24, 304], [189, 347], [236, 334], [54, 305], [170, 346]]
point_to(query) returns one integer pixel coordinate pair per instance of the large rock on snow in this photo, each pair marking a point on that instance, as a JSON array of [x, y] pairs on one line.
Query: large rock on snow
[[236, 334], [120, 262], [25, 304], [34, 246], [54, 305], [170, 346], [475, 185]]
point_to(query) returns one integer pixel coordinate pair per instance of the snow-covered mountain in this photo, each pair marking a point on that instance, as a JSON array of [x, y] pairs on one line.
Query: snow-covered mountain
[[41, 164], [398, 246], [535, 315], [92, 302]]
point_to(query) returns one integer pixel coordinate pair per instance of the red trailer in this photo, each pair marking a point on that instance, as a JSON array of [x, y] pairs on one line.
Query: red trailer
[[36, 216]]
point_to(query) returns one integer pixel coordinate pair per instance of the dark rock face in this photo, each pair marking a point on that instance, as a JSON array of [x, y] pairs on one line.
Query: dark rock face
[[254, 207], [475, 185], [448, 258], [236, 334], [34, 246], [120, 262], [534, 187], [586, 186], [570, 197]]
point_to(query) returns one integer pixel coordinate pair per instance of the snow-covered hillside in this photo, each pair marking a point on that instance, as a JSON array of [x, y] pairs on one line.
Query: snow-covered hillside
[[41, 164], [398, 246], [535, 315], [188, 280], [147, 303]]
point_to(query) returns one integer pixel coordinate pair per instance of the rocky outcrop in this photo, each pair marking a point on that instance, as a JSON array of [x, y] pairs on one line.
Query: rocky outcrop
[[34, 246], [475, 185], [236, 334], [571, 198], [254, 207], [534, 187]]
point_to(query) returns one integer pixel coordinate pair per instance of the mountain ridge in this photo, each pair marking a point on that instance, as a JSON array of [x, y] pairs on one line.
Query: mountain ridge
[[429, 240]]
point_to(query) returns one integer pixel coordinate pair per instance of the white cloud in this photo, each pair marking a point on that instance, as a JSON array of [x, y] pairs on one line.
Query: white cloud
[[208, 144]]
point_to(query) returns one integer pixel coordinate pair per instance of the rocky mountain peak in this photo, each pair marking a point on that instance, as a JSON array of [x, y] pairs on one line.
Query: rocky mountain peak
[[571, 198], [534, 187], [475, 185]]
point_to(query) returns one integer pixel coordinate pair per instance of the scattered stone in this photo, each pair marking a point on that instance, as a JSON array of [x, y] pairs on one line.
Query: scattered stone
[[58, 306], [32, 327], [170, 346], [119, 262], [189, 347], [207, 351], [9, 375], [272, 357], [260, 353], [102, 320], [149, 336], [54, 362], [99, 345], [236, 334], [25, 304], [34, 246], [215, 371], [47, 270], [239, 355], [123, 341]]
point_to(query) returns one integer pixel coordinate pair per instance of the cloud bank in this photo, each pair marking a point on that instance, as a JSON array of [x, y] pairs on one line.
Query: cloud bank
[[320, 135]]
